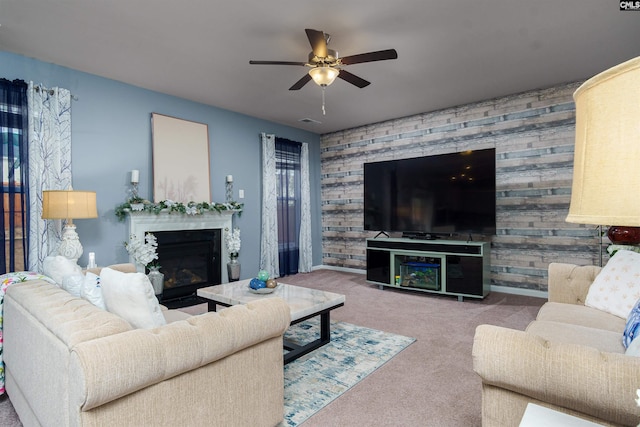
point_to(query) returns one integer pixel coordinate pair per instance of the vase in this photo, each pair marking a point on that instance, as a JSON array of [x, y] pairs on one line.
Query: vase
[[157, 281], [233, 269]]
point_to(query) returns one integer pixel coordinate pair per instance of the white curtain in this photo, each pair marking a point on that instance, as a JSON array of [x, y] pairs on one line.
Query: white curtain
[[269, 239], [306, 261], [49, 164]]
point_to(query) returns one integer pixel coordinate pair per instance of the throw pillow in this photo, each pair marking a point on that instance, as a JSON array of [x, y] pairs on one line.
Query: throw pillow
[[91, 290], [632, 329], [130, 296], [633, 349], [73, 283], [57, 267], [21, 276], [617, 287]]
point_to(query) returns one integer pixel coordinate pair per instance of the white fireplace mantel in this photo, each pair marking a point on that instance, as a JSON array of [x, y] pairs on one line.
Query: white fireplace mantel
[[141, 223]]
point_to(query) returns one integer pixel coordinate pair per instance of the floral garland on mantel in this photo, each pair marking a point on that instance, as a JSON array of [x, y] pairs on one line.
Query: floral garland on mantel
[[169, 206]]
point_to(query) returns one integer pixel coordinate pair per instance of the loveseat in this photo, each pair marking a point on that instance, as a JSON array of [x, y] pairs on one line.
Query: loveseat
[[70, 363], [570, 359]]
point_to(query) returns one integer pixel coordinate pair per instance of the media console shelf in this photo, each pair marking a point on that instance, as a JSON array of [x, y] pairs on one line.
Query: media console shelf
[[448, 267]]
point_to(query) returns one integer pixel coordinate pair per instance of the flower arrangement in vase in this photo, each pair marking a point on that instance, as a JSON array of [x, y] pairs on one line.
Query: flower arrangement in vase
[[232, 239], [146, 253]]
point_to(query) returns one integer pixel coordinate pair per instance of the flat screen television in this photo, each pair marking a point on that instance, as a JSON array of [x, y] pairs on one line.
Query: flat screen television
[[428, 196]]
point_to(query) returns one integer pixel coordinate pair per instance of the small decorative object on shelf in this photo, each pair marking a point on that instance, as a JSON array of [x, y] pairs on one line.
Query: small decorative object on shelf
[[229, 188], [232, 239], [135, 179]]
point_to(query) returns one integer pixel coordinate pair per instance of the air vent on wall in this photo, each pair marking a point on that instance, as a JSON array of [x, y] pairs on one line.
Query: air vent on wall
[[308, 120]]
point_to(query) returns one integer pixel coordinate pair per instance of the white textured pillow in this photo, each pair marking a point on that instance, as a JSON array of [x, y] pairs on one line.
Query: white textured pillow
[[92, 291], [73, 284], [617, 287], [130, 296], [57, 267]]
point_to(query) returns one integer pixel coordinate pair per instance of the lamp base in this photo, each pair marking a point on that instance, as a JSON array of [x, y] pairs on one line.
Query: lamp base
[[624, 235], [70, 246]]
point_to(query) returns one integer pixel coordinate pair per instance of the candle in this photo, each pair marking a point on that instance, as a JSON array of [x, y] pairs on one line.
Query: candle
[[135, 176], [92, 260], [229, 178]]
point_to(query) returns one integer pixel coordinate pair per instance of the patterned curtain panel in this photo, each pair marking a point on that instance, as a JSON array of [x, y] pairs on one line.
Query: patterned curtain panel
[[15, 181], [306, 259], [49, 164], [269, 238]]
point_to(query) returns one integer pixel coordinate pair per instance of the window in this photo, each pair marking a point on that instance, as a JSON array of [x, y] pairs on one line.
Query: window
[[288, 188], [15, 183]]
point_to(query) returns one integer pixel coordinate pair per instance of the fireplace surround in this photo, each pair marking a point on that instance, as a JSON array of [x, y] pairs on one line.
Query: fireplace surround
[[191, 248]]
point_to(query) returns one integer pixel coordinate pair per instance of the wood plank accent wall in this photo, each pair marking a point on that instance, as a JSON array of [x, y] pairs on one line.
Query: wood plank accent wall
[[533, 134]]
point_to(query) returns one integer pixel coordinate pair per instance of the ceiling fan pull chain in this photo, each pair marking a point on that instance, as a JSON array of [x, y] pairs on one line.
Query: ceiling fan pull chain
[[324, 113]]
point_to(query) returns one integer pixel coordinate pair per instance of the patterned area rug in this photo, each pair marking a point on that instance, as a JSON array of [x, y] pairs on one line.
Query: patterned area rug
[[316, 379]]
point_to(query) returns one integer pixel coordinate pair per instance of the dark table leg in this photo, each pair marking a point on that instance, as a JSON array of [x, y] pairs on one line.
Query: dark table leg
[[296, 351]]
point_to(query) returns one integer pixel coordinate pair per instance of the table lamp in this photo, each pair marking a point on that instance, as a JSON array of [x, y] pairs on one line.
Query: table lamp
[[607, 153], [69, 205]]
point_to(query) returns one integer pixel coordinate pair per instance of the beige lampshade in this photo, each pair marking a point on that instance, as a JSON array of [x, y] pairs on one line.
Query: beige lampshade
[[68, 204], [606, 174]]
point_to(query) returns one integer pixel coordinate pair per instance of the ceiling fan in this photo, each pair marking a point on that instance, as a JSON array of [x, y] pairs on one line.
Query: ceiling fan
[[326, 65]]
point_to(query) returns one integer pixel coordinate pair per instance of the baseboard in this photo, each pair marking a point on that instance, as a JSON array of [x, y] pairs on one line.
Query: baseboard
[[493, 288], [344, 269], [519, 291]]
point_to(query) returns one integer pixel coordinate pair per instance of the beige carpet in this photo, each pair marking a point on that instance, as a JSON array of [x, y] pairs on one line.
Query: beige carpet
[[430, 383]]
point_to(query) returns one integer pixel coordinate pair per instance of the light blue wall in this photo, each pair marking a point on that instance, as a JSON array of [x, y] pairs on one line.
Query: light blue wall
[[111, 135]]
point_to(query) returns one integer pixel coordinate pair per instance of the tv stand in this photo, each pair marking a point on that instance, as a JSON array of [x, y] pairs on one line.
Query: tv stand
[[420, 236], [449, 267]]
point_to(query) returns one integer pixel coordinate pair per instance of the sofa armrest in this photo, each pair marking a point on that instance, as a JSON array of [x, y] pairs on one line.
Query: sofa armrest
[[571, 376], [570, 283], [105, 369]]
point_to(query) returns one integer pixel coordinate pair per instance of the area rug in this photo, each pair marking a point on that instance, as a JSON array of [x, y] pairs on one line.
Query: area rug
[[316, 379]]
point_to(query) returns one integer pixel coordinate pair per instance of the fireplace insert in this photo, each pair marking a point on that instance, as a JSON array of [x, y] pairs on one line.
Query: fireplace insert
[[189, 259]]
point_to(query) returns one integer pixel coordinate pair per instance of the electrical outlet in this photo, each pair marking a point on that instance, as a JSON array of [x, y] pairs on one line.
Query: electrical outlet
[[241, 194]]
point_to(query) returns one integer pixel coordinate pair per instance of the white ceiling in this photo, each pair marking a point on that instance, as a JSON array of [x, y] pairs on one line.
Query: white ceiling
[[449, 52]]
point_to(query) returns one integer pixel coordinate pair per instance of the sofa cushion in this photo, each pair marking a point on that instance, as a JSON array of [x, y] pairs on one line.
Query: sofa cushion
[[175, 315], [72, 283], [617, 287], [580, 315], [91, 290], [131, 296], [57, 267], [602, 340]]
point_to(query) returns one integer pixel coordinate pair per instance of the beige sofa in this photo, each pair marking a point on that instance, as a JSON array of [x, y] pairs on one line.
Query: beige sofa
[[69, 363], [570, 359]]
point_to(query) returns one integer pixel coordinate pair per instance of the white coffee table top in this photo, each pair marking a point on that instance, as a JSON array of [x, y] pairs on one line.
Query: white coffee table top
[[536, 416], [303, 302]]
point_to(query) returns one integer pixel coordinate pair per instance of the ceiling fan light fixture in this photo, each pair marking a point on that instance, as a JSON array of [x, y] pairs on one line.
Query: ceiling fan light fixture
[[324, 75]]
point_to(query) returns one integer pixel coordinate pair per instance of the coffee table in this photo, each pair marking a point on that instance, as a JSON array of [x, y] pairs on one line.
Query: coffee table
[[304, 304]]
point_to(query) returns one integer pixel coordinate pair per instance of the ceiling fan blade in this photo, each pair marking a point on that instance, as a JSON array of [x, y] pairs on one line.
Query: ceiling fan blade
[[381, 55], [353, 79], [303, 81], [318, 42], [277, 63]]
